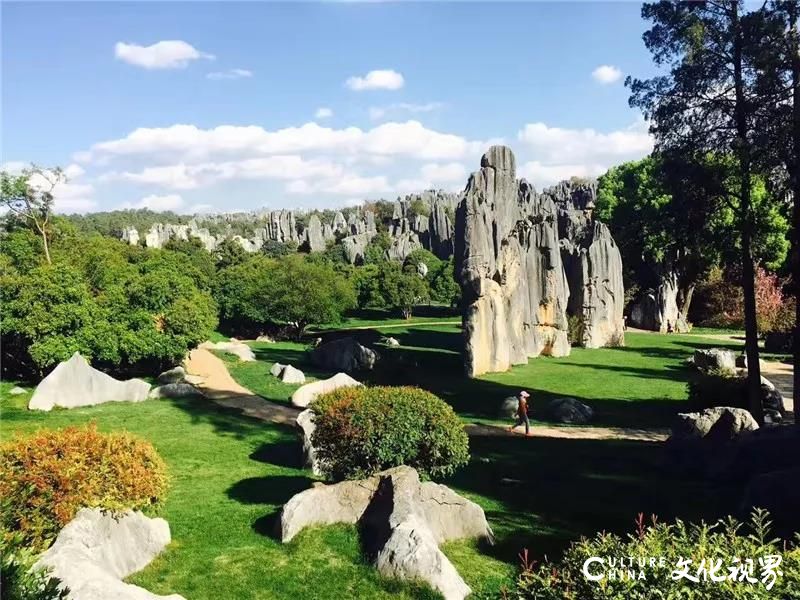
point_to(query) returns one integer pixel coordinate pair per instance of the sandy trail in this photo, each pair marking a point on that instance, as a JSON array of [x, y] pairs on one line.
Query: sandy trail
[[221, 388]]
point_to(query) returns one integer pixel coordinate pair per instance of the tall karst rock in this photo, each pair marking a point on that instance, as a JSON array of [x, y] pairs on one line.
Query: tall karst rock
[[593, 265], [509, 266]]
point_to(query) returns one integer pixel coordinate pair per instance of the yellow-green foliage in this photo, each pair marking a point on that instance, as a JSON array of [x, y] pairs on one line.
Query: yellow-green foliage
[[727, 541], [47, 477], [363, 430]]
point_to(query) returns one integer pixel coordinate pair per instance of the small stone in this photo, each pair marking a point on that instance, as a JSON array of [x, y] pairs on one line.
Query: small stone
[[277, 369], [292, 375], [176, 375]]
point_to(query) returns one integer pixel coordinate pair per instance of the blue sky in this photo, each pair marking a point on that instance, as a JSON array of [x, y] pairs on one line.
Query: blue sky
[[227, 106]]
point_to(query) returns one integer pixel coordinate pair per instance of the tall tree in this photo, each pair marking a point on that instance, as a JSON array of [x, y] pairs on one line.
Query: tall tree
[[777, 55], [29, 195], [707, 102]]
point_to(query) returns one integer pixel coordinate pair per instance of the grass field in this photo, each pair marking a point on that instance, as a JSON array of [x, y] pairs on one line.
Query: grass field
[[230, 474]]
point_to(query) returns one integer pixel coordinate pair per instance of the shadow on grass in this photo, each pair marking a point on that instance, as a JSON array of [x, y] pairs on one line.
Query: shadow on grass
[[274, 490], [548, 491], [225, 420], [288, 454]]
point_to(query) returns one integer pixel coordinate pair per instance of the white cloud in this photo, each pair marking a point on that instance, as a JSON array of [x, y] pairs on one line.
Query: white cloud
[[158, 203], [168, 54], [198, 209], [230, 74], [607, 74], [547, 175], [380, 79], [323, 112], [188, 143], [584, 146], [560, 153], [14, 167], [68, 197], [446, 173], [73, 171], [379, 112], [346, 185], [183, 176]]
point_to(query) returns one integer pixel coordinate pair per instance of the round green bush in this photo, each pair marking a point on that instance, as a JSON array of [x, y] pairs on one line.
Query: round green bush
[[363, 430]]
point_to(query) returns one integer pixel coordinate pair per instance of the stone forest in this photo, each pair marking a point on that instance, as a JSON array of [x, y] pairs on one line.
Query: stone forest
[[496, 345]]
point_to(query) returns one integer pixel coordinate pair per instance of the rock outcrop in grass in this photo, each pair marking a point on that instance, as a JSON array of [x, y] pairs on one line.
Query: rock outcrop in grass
[[96, 551], [402, 521], [509, 266]]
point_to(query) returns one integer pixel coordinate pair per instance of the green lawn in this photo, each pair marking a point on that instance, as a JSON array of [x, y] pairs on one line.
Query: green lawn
[[230, 474], [383, 318]]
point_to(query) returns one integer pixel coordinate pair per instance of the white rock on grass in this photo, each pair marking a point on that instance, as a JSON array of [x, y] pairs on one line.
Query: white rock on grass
[[76, 383], [175, 375], [306, 394], [175, 390], [402, 521], [277, 369], [96, 551], [235, 347], [697, 425], [292, 375], [305, 422], [17, 391]]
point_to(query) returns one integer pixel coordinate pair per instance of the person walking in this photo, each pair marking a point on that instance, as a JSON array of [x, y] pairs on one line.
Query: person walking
[[522, 412]]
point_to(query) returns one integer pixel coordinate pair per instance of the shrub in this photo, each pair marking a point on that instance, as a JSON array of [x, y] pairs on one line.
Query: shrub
[[716, 388], [47, 477], [19, 581], [725, 541], [363, 430]]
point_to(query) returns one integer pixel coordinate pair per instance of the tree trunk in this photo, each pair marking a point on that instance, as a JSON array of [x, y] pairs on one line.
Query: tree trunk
[[687, 302], [794, 174], [746, 225], [43, 231]]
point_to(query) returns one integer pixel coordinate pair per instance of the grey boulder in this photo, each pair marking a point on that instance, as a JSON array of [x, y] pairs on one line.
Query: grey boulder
[[96, 551], [568, 410], [715, 359], [305, 422], [402, 520], [306, 394], [75, 383], [175, 390], [277, 369], [292, 375], [344, 354], [175, 375], [698, 425], [235, 347], [508, 408]]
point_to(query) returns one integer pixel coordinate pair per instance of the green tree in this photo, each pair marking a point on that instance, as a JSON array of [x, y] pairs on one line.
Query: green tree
[[777, 57], [443, 285], [401, 290], [275, 249], [301, 293], [229, 253], [672, 217], [707, 102], [29, 196], [375, 251]]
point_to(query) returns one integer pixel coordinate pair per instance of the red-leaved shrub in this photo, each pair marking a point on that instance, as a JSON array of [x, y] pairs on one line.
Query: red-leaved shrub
[[47, 477]]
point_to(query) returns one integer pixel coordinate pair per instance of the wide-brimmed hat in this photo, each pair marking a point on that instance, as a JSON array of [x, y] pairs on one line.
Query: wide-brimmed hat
[[524, 394]]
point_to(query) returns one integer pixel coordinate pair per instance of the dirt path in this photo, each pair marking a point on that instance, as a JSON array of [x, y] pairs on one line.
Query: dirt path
[[221, 388], [574, 432]]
